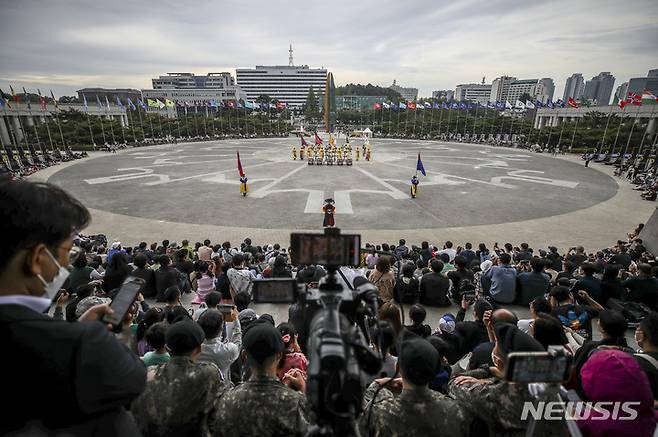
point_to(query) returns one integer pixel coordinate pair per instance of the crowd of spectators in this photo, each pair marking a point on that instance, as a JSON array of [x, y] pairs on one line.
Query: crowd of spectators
[[217, 367]]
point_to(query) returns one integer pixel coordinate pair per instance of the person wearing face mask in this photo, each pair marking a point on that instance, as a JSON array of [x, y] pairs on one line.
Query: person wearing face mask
[[66, 378]]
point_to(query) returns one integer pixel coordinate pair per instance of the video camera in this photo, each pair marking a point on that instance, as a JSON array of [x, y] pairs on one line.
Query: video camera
[[333, 321]]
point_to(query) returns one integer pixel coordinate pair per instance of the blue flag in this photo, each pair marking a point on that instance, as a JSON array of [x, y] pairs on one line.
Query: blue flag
[[444, 105], [419, 166], [131, 105], [436, 106], [403, 105], [119, 102]]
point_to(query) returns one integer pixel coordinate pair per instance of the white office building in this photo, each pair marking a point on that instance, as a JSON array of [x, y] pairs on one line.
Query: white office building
[[408, 93], [473, 92], [289, 84], [190, 80], [508, 88]]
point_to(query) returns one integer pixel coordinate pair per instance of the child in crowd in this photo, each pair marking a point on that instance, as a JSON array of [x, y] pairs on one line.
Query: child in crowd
[[151, 317], [417, 314], [203, 281], [155, 337], [293, 358]]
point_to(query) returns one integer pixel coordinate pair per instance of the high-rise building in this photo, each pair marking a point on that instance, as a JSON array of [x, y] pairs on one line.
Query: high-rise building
[[409, 94], [639, 84], [286, 83], [190, 80], [621, 92], [599, 88], [473, 92], [574, 87], [509, 88], [500, 88], [446, 95]]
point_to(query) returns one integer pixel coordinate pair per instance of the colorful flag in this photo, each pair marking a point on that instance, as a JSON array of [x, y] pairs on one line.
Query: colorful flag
[[436, 105], [318, 140], [54, 99], [142, 104], [402, 105], [419, 166], [529, 105], [508, 105], [571, 102], [13, 94], [169, 103], [394, 105], [231, 104], [519, 105], [304, 143], [377, 106], [27, 100], [549, 104], [462, 105], [634, 99], [131, 105], [411, 105], [240, 170], [539, 104], [4, 100], [428, 105], [648, 95], [120, 103], [386, 105]]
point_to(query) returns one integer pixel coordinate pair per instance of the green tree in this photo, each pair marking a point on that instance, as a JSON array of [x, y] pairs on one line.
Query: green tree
[[311, 110], [525, 97]]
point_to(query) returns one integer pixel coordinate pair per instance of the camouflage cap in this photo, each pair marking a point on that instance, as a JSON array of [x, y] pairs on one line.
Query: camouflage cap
[[89, 302]]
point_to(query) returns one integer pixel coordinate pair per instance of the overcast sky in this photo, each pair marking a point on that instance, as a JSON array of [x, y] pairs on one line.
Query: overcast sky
[[433, 44]]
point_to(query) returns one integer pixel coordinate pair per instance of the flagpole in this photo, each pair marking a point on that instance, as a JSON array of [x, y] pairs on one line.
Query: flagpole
[[644, 135], [448, 126], [628, 142], [413, 133], [123, 129], [91, 134], [476, 117], [149, 117], [102, 128], [550, 131], [107, 111], [431, 120], [50, 138], [574, 133], [34, 125], [177, 121], [132, 125], [605, 131], [621, 120], [388, 130], [59, 125], [397, 123]]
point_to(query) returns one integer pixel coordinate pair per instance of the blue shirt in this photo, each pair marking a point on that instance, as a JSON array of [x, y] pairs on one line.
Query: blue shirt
[[503, 283]]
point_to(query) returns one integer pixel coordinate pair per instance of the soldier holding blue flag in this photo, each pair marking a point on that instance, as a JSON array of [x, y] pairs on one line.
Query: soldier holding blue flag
[[414, 178]]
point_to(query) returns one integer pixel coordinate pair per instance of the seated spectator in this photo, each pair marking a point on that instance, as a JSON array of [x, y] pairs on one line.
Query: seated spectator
[[384, 335], [576, 256], [67, 378], [407, 288], [612, 325], [263, 405], [468, 254], [503, 280], [588, 282], [447, 249], [280, 269], [401, 406], [155, 338], [643, 288], [481, 355], [172, 297], [532, 284], [538, 305], [461, 279], [611, 284], [621, 257], [203, 283], [574, 316], [147, 274], [116, 273], [383, 279], [612, 376], [548, 331], [165, 277], [434, 286], [417, 314], [181, 395], [205, 251], [447, 264], [213, 349], [646, 336], [81, 273], [495, 402], [239, 278], [482, 285], [211, 301], [292, 358], [483, 253], [150, 318]]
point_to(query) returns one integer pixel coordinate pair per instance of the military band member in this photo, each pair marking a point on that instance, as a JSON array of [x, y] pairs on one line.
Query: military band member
[[244, 189], [301, 153], [357, 152], [294, 153], [414, 186]]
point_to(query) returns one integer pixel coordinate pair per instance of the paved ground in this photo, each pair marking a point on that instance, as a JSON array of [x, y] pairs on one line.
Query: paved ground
[[472, 193]]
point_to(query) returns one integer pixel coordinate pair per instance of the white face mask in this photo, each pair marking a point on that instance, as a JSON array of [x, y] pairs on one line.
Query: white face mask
[[51, 288]]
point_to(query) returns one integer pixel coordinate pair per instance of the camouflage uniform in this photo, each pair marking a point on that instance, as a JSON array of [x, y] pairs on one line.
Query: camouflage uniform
[[180, 399], [262, 407], [418, 412], [499, 404]]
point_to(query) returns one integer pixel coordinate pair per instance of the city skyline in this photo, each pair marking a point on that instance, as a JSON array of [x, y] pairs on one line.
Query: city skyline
[[74, 44]]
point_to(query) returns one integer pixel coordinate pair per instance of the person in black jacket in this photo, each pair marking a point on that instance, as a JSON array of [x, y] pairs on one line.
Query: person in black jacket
[[166, 276], [66, 378], [434, 286], [147, 274]]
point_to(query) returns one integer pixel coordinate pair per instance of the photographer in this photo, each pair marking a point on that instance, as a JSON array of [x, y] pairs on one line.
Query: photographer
[[406, 405], [68, 378], [493, 402], [215, 350]]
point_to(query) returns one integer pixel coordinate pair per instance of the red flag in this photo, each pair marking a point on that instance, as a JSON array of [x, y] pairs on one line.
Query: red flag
[[240, 166], [42, 100], [411, 105], [318, 140], [303, 140], [634, 99], [571, 102], [377, 106], [622, 103], [14, 95], [231, 104], [280, 105]]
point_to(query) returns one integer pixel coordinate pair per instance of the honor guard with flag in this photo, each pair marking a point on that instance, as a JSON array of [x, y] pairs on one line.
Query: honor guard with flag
[[329, 210], [244, 189], [414, 178]]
